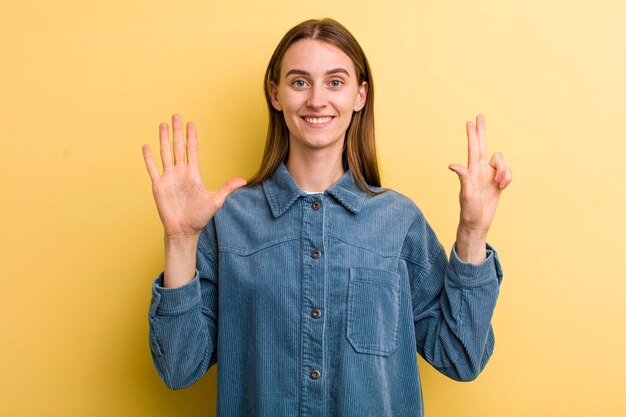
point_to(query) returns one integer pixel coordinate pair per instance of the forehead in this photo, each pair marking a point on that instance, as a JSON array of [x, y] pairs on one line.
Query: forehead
[[315, 57]]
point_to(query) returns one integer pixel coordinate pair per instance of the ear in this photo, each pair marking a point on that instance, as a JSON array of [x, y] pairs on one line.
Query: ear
[[274, 96], [361, 97]]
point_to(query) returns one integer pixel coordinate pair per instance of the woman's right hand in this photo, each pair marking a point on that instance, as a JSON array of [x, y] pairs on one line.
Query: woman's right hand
[[184, 204]]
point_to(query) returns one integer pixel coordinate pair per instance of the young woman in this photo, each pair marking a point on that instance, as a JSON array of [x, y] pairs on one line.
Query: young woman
[[312, 287]]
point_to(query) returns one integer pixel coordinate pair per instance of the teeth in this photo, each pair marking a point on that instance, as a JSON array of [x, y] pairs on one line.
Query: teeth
[[317, 120]]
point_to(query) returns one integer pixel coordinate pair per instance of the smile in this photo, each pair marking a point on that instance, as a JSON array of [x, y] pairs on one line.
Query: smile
[[317, 121]]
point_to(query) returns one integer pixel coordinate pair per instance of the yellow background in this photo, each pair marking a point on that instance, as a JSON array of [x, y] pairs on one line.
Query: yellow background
[[83, 84]]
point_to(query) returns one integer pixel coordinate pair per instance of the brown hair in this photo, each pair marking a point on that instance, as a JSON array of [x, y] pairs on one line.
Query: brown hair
[[359, 151]]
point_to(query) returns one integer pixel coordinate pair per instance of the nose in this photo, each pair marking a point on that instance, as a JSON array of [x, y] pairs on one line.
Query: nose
[[317, 97]]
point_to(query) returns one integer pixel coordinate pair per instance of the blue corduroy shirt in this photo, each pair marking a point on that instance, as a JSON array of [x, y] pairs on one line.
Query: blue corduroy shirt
[[314, 305]]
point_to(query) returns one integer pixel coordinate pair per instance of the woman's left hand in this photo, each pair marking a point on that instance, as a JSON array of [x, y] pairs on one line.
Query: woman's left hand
[[482, 182]]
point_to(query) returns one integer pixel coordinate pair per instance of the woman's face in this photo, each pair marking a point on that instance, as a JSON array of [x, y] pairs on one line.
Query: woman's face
[[317, 93]]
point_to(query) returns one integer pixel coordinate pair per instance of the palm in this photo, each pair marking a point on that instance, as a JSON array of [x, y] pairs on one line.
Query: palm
[[482, 181], [183, 203]]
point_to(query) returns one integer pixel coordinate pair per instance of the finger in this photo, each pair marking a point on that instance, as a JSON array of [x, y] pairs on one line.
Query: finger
[[473, 153], [504, 175], [482, 137], [164, 142], [229, 187], [192, 145], [179, 141], [153, 171], [463, 174], [497, 163], [507, 179], [460, 170]]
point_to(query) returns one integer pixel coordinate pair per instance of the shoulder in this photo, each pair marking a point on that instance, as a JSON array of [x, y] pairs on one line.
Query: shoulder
[[382, 224], [245, 210], [245, 201], [393, 204], [419, 241]]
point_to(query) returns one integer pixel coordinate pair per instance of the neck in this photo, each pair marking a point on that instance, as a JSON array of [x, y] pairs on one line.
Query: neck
[[314, 170]]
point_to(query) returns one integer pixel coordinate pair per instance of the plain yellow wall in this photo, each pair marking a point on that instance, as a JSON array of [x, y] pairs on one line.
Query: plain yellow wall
[[83, 84]]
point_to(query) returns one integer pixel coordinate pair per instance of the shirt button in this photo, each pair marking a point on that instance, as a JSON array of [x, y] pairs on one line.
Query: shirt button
[[316, 205], [316, 254], [315, 374], [316, 313]]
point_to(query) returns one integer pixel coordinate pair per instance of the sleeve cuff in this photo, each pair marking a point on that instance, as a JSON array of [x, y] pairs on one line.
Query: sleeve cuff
[[171, 301], [471, 275]]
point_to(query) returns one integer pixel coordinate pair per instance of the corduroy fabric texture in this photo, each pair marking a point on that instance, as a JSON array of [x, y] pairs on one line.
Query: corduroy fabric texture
[[314, 305]]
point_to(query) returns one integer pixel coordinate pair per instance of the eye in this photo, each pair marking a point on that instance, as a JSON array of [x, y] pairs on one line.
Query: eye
[[336, 83], [298, 83]]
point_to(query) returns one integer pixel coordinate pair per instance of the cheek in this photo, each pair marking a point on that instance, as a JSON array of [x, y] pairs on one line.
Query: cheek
[[290, 113], [289, 103], [348, 102], [347, 106]]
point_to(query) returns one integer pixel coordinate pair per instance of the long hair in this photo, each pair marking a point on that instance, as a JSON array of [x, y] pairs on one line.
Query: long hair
[[359, 151]]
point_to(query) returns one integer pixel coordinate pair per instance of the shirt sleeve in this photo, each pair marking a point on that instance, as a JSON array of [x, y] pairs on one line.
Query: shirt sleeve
[[453, 303], [183, 320]]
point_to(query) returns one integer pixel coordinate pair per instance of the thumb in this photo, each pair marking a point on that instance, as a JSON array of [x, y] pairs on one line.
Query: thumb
[[230, 186], [460, 170]]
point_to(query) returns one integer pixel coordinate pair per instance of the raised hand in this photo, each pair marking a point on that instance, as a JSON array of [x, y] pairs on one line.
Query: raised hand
[[184, 204], [482, 182]]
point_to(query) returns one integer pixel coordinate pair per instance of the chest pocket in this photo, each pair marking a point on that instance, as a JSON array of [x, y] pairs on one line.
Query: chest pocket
[[373, 310]]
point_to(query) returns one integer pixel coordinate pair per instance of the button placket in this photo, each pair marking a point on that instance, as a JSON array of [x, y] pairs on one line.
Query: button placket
[[313, 294]]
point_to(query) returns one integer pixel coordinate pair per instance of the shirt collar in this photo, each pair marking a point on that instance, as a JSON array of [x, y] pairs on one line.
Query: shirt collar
[[281, 192]]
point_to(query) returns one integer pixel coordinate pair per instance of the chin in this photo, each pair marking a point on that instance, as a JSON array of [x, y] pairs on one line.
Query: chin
[[321, 142]]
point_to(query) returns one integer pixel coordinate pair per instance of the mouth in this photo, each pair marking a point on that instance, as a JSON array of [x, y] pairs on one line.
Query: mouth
[[317, 121]]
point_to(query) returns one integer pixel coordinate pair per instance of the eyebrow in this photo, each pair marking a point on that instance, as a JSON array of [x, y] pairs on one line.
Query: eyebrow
[[329, 72]]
